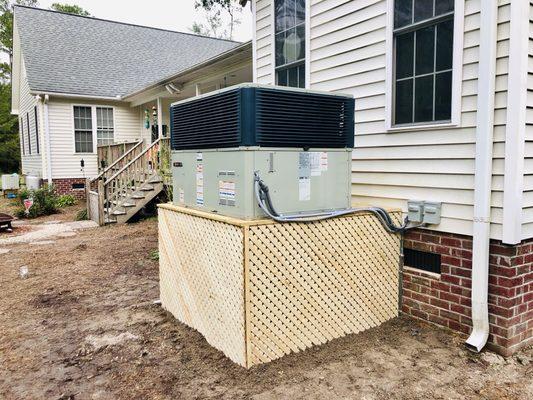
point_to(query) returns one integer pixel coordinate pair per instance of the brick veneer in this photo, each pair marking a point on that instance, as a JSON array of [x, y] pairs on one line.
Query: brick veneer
[[64, 186], [445, 299]]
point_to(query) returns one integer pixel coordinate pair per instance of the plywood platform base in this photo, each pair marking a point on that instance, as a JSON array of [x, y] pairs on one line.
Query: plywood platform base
[[258, 290]]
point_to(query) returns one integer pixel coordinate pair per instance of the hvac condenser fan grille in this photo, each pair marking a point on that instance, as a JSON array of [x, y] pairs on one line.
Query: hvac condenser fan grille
[[208, 122], [293, 119]]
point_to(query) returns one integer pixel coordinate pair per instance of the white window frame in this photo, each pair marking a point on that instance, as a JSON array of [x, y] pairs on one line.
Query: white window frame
[[96, 127], [93, 108], [457, 73], [307, 61]]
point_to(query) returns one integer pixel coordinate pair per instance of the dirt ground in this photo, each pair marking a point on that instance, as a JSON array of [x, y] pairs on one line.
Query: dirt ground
[[83, 325]]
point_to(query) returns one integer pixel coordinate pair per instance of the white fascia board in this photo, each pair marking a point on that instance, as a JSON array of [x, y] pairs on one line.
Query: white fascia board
[[515, 131]]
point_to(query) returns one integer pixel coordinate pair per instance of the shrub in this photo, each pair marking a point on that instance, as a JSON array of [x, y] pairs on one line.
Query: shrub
[[44, 202], [66, 200], [82, 215]]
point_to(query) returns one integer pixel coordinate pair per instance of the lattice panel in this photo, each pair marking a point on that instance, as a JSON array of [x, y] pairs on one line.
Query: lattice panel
[[201, 278], [311, 283]]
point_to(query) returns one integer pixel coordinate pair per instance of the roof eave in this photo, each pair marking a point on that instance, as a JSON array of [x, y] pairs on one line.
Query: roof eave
[[75, 95], [236, 50]]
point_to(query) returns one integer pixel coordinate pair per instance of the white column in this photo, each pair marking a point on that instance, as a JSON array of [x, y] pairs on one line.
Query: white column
[[160, 117]]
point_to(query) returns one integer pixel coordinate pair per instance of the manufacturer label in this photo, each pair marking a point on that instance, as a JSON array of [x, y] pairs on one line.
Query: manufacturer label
[[199, 184], [304, 176], [226, 193], [181, 195]]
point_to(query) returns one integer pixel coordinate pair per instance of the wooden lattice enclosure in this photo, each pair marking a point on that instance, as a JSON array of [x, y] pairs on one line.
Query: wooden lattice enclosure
[[258, 290]]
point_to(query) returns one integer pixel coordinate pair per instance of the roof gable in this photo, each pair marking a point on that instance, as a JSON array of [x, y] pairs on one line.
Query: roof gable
[[65, 53]]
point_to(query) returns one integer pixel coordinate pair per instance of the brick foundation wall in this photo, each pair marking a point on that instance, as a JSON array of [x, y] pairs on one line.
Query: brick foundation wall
[[64, 186], [445, 299]]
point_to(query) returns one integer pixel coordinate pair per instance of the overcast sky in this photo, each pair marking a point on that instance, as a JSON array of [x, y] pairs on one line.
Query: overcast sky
[[177, 15]]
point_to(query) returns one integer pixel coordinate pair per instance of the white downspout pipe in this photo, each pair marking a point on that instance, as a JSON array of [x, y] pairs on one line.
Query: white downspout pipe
[[483, 175], [47, 139]]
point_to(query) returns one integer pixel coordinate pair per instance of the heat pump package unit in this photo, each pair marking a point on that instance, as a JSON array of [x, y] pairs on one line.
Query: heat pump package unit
[[298, 142]]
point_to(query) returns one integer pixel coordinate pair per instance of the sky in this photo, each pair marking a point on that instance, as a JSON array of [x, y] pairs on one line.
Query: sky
[[176, 15]]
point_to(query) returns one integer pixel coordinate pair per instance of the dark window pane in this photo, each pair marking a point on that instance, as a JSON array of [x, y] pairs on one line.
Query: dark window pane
[[300, 32], [444, 45], [301, 76], [293, 77], [443, 6], [424, 99], [300, 11], [280, 39], [282, 77], [403, 10], [423, 10], [280, 15], [404, 55], [425, 50], [443, 96], [404, 102]]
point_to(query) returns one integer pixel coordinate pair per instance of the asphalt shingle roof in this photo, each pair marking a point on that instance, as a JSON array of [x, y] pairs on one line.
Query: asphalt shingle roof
[[79, 55]]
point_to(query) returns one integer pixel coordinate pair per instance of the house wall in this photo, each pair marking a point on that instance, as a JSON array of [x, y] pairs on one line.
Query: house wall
[[32, 160], [348, 54], [527, 226], [65, 161]]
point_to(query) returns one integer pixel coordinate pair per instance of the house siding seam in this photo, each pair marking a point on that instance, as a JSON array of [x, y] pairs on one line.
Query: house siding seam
[[445, 300]]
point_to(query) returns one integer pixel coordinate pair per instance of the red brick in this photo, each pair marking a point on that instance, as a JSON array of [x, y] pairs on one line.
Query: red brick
[[460, 309], [450, 297], [452, 242], [439, 303], [451, 261], [438, 320]]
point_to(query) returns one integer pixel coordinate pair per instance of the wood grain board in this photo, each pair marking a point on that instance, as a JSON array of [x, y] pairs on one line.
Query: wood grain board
[[262, 290]]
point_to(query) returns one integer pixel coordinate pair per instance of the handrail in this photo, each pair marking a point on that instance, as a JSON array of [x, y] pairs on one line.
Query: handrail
[[139, 143], [125, 167]]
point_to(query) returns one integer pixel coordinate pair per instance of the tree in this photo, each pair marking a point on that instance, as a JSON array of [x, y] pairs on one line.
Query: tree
[[70, 9], [216, 11]]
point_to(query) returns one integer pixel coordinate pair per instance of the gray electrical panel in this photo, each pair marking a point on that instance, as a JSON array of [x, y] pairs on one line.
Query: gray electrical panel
[[222, 180]]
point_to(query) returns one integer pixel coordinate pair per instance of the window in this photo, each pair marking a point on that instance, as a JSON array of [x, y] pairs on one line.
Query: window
[[290, 42], [21, 129], [28, 130], [36, 129], [104, 125], [423, 48], [83, 129]]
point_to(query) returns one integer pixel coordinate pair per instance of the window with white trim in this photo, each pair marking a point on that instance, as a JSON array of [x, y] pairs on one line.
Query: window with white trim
[[83, 129], [289, 18], [423, 51], [105, 133]]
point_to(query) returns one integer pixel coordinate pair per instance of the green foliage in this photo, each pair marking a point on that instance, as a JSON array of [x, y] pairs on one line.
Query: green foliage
[[70, 9], [66, 200], [217, 12], [9, 138], [44, 202], [82, 215], [6, 23], [154, 255]]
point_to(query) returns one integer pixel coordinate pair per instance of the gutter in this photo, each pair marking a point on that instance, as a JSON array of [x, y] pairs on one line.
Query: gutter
[[77, 96], [483, 175]]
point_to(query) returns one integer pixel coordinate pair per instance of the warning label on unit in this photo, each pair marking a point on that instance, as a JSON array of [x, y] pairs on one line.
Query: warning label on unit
[[226, 193], [304, 189], [304, 176], [199, 157], [199, 184], [318, 162], [181, 195]]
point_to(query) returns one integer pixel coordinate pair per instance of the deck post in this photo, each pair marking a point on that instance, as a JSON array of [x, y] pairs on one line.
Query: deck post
[[101, 217]]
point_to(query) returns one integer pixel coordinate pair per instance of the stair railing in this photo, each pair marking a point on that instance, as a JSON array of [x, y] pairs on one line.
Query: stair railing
[[117, 165], [132, 176]]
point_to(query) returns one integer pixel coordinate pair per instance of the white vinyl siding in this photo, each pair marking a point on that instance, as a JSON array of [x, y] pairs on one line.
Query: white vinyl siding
[[348, 54], [32, 159], [264, 38], [527, 227], [65, 161]]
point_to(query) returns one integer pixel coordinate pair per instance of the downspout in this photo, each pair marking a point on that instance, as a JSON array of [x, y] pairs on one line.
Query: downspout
[[47, 139], [483, 175]]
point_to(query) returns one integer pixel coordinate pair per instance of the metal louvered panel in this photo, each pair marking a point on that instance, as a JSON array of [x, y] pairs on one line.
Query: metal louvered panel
[[303, 119], [207, 122], [262, 116]]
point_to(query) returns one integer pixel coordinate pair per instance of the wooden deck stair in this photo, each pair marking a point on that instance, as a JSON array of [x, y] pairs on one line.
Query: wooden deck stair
[[129, 183]]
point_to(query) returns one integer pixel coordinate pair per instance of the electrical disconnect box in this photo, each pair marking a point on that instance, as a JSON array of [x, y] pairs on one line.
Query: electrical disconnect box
[[424, 212], [299, 142]]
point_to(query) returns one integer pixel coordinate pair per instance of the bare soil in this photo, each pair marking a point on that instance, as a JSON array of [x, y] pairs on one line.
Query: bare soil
[[83, 325]]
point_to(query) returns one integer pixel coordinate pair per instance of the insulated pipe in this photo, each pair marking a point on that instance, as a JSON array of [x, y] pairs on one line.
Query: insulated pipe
[[483, 175]]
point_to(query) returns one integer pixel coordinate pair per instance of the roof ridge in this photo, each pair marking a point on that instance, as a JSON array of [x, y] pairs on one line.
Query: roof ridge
[[124, 23]]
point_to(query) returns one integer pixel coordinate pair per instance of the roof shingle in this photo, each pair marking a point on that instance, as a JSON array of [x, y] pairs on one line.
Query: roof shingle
[[65, 53]]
